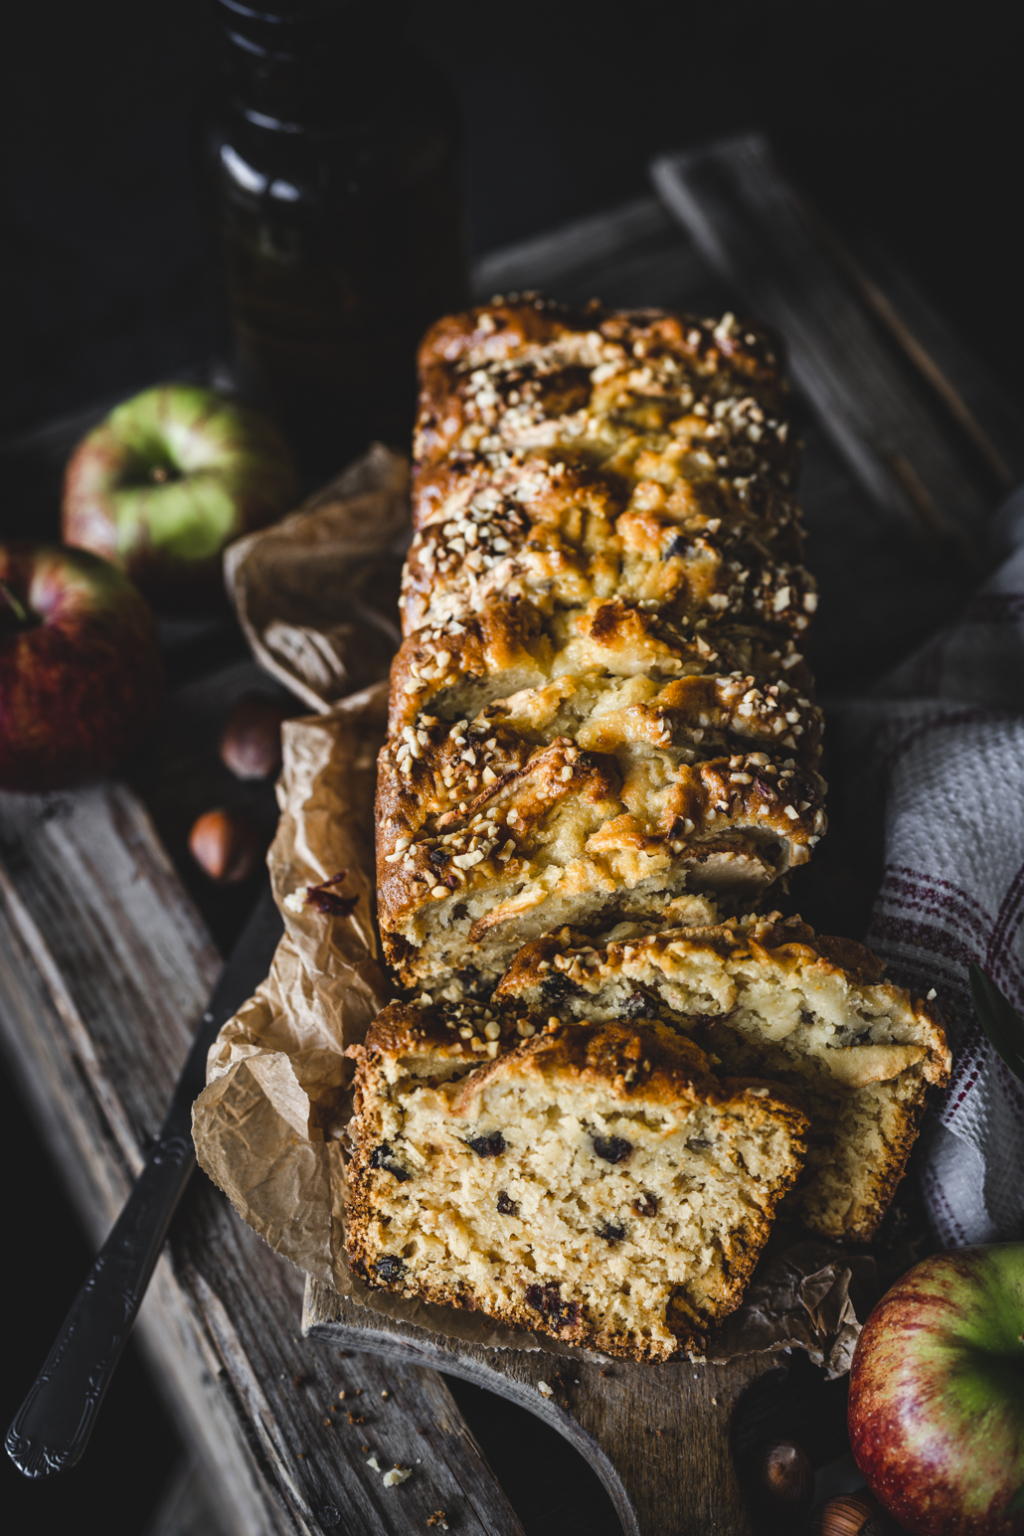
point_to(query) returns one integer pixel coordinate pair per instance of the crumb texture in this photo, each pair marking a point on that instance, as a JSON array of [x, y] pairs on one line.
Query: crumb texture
[[597, 1183], [770, 998]]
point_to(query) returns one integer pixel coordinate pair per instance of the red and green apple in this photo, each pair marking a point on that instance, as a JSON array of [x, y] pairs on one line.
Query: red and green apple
[[80, 669], [936, 1408], [167, 480]]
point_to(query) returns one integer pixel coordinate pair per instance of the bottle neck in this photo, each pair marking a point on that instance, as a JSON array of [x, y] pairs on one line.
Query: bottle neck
[[294, 65]]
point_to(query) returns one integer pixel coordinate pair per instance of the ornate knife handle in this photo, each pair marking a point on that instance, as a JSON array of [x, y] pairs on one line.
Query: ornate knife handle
[[53, 1425]]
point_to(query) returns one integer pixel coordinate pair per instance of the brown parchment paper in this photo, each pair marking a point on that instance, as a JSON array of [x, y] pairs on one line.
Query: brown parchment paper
[[316, 594], [269, 1127]]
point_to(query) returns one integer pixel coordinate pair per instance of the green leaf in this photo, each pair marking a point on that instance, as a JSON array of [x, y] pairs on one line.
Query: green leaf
[[1004, 1027], [1017, 1502]]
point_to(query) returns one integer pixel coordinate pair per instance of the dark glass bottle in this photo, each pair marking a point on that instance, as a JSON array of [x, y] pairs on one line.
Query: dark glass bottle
[[333, 168]]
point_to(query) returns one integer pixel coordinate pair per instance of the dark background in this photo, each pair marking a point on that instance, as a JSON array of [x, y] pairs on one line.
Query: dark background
[[900, 127]]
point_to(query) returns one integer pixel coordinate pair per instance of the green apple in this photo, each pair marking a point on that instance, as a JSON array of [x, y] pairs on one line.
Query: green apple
[[167, 480]]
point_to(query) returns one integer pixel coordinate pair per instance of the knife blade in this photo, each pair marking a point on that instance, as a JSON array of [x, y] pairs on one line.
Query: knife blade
[[52, 1427]]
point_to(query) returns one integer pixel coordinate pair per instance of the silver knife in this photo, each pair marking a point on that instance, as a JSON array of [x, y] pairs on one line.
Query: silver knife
[[52, 1427]]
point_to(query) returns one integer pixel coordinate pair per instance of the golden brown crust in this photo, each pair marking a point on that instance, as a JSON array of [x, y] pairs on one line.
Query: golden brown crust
[[866, 1217], [562, 540], [602, 606], [787, 942], [785, 947], [457, 415], [457, 1030], [506, 648], [503, 840], [665, 1065]]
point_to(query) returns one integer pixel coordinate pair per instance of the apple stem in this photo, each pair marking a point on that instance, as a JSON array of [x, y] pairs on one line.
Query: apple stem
[[21, 615]]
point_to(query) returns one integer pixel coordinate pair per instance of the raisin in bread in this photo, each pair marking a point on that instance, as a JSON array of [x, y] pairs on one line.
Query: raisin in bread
[[600, 703], [592, 1182], [769, 997]]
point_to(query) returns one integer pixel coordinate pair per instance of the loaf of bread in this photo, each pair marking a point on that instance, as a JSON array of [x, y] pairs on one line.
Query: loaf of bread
[[600, 703], [603, 750], [593, 1182], [768, 996]]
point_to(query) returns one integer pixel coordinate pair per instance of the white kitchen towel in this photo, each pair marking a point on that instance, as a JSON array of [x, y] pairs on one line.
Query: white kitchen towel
[[942, 743]]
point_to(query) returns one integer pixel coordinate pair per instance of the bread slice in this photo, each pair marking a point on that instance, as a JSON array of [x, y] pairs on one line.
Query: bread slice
[[592, 1182], [557, 835], [769, 997]]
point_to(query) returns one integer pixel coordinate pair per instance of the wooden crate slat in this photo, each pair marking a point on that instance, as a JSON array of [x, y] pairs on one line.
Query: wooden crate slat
[[634, 255], [990, 419], [751, 229]]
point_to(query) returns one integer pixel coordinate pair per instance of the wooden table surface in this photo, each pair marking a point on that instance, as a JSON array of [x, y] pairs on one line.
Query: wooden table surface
[[109, 941]]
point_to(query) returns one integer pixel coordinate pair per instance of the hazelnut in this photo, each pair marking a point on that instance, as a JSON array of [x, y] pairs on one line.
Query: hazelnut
[[781, 1478], [851, 1514], [251, 742], [226, 845]]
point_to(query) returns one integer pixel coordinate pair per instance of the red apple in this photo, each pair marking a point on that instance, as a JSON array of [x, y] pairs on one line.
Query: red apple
[[936, 1411], [168, 480], [80, 669]]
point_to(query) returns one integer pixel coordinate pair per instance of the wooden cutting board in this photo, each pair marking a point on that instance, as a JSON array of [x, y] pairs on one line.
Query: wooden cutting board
[[658, 1436], [105, 959]]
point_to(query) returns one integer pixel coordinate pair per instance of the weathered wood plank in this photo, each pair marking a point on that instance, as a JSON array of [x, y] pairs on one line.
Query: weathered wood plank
[[99, 909], [105, 964], [988, 418], [632, 255], [285, 1389], [752, 230], [94, 1166], [186, 1507]]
